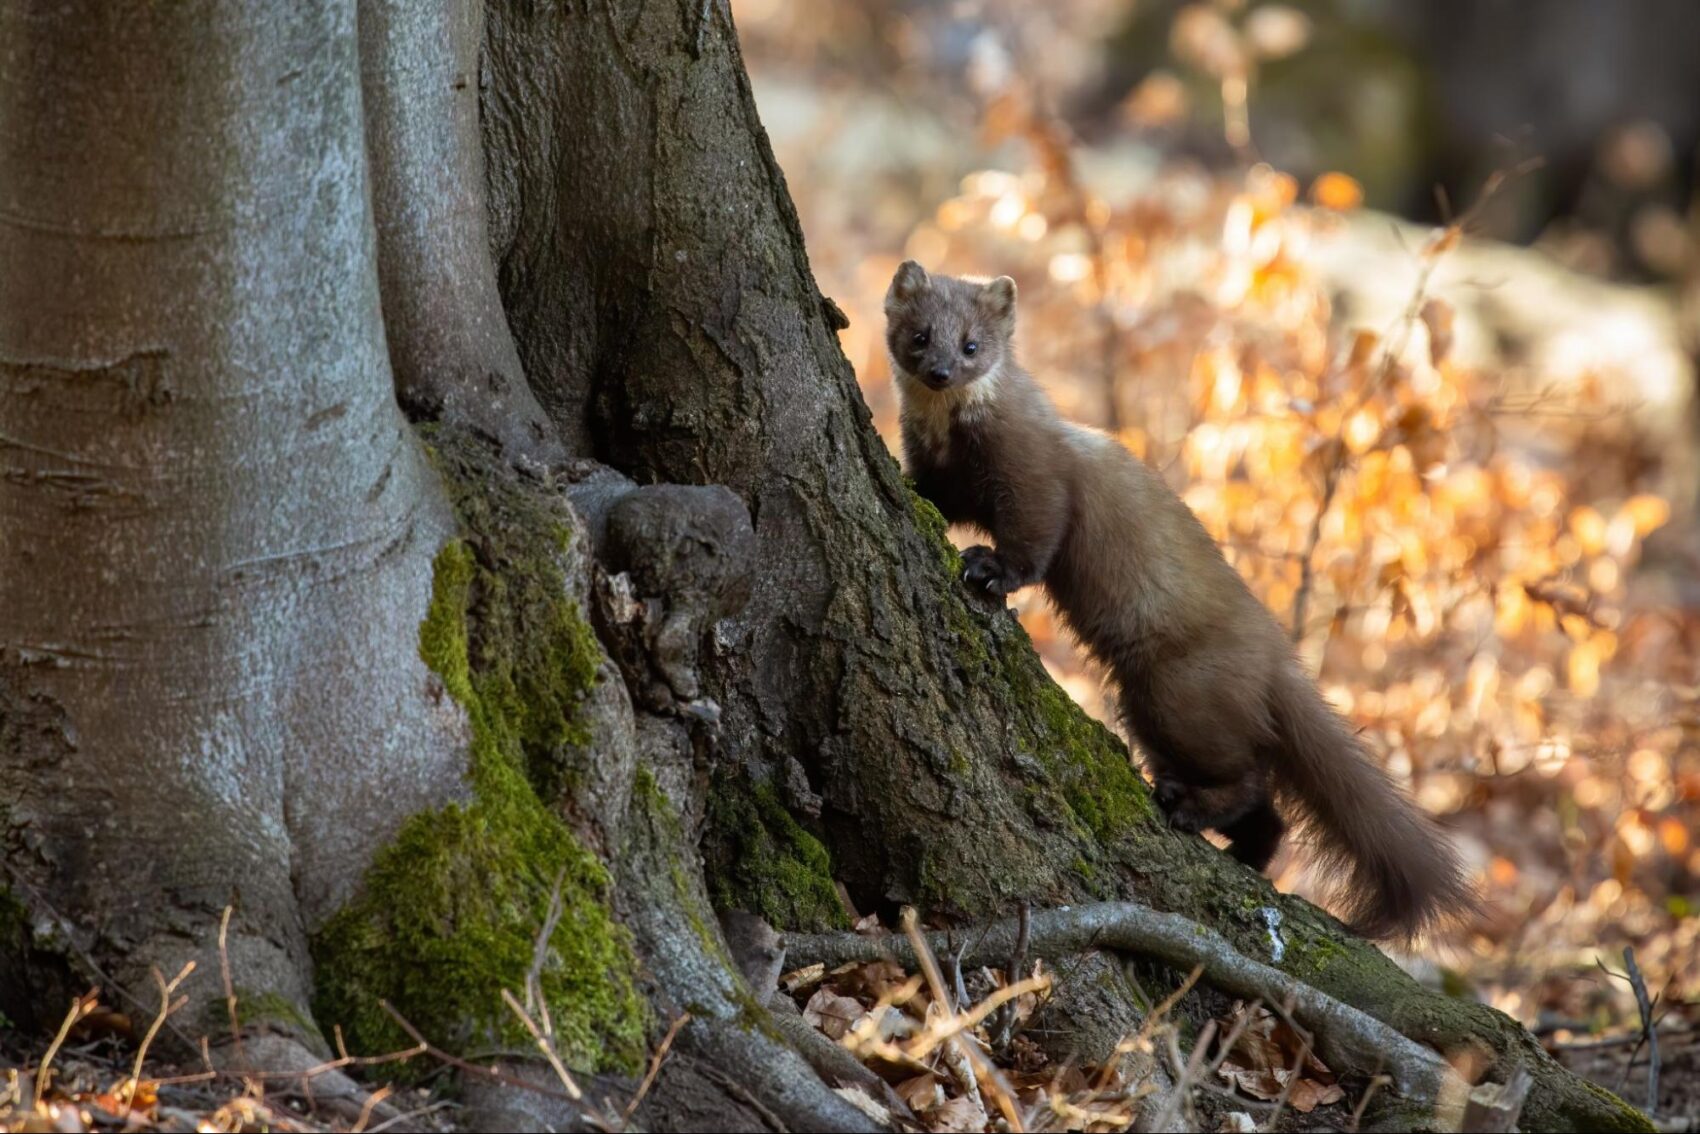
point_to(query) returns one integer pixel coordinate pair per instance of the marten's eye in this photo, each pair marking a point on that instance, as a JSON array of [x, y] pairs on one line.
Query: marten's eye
[[970, 347], [922, 338]]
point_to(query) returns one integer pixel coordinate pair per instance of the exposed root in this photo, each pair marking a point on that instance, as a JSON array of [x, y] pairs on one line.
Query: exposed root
[[1345, 1037]]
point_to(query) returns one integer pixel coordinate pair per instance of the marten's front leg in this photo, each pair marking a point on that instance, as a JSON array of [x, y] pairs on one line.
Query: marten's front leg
[[1029, 524]]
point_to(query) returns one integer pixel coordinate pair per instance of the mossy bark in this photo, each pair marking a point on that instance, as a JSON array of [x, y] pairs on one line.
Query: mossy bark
[[450, 913]]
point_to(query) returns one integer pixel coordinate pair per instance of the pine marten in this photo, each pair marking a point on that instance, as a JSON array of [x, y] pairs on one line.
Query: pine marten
[[1228, 723]]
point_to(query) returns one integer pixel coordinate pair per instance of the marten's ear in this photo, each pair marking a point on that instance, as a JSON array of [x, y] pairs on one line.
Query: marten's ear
[[910, 281], [997, 300]]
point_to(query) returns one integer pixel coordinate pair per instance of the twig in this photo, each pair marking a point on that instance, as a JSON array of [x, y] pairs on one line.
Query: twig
[[426, 1047], [229, 984], [1345, 1037], [166, 1008], [371, 1104], [1376, 1082], [984, 1071], [655, 1062], [80, 1009], [545, 1045], [392, 1123], [1648, 1031], [1186, 1074], [958, 990], [34, 901], [1012, 975], [732, 1087], [1287, 1087], [540, 952], [1430, 256]]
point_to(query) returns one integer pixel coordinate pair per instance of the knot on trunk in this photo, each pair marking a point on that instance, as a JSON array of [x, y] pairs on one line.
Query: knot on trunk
[[677, 560]]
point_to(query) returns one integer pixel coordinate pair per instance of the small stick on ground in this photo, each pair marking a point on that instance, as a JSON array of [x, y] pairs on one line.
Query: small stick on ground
[[425, 1047], [80, 1008], [1376, 1082], [1001, 1034], [229, 985], [166, 1008]]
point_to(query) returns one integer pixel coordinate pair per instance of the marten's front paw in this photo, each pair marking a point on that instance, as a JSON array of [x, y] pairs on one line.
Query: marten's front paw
[[986, 570]]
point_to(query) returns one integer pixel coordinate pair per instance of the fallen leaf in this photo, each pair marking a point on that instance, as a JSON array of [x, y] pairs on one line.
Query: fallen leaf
[[921, 1092], [956, 1116], [831, 1013], [1308, 1094]]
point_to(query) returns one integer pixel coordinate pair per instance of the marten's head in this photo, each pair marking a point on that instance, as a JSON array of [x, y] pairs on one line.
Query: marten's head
[[946, 333]]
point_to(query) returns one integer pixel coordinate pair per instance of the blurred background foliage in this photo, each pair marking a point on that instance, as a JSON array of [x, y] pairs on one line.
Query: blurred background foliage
[[1403, 299]]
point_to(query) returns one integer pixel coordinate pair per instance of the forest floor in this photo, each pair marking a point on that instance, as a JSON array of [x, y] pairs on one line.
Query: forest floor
[[985, 1063]]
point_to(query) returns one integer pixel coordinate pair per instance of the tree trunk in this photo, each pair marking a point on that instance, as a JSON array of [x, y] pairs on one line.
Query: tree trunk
[[721, 657], [218, 527]]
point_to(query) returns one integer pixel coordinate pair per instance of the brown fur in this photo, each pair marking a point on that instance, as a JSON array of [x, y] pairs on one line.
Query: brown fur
[[1228, 722]]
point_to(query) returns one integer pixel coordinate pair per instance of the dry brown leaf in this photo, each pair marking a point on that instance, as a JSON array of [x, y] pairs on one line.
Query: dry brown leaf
[[831, 1013], [1308, 1094], [802, 979], [956, 1116], [921, 1092], [1256, 1082], [1437, 316]]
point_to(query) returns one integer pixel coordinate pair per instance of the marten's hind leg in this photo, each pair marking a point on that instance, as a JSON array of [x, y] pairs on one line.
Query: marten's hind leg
[[1255, 836], [1192, 806]]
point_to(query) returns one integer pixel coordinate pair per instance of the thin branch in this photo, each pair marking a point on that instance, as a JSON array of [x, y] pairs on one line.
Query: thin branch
[[80, 1008], [426, 1047], [1649, 1032], [229, 984], [166, 1008]]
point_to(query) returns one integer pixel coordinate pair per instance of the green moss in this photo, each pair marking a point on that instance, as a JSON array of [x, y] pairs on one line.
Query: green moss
[[769, 864], [451, 909], [1089, 766], [1312, 954], [1084, 759], [1627, 1117]]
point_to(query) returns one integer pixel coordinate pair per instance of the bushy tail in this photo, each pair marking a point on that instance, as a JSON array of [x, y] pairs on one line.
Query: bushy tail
[[1398, 873]]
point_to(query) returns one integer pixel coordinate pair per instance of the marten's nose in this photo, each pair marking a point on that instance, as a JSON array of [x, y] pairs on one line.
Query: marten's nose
[[940, 374]]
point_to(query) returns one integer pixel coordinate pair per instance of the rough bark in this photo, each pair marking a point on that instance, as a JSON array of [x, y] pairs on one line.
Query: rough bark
[[218, 528]]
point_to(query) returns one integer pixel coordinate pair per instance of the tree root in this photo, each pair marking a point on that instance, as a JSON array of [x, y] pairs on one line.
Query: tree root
[[1345, 1037]]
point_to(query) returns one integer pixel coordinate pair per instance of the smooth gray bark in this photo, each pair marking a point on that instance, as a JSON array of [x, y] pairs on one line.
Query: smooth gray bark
[[448, 335], [216, 529]]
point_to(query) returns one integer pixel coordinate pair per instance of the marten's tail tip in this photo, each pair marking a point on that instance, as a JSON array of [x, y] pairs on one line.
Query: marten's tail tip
[[1406, 887], [1400, 877]]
